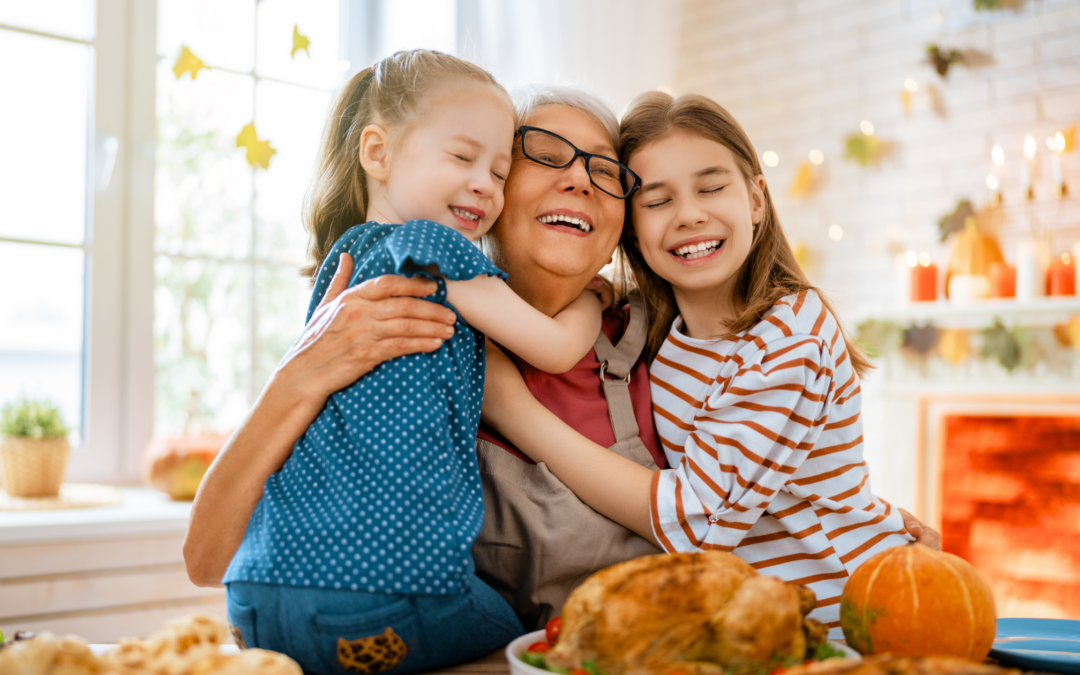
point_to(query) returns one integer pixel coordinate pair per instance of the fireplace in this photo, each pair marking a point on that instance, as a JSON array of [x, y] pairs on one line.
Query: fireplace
[[1008, 500]]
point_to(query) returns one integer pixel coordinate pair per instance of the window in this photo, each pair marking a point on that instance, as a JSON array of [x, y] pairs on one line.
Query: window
[[67, 151]]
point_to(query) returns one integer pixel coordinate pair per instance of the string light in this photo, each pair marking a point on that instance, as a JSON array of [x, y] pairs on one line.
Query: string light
[[770, 158], [866, 127], [816, 157]]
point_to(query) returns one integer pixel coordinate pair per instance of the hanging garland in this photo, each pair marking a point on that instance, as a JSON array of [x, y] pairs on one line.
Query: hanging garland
[[187, 62]]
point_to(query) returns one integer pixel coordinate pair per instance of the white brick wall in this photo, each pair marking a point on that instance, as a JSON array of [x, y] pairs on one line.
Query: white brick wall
[[802, 74]]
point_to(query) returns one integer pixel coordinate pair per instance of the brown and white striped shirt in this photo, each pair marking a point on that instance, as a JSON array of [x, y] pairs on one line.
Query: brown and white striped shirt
[[764, 433]]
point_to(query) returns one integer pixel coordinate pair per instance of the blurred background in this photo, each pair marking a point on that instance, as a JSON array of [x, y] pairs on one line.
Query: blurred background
[[921, 153]]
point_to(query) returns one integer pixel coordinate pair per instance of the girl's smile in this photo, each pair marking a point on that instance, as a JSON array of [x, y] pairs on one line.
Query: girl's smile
[[697, 249]]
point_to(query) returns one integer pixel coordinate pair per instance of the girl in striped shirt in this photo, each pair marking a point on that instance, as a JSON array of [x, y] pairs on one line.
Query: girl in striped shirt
[[755, 384]]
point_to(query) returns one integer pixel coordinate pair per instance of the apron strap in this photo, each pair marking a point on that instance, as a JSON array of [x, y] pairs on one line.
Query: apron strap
[[616, 363]]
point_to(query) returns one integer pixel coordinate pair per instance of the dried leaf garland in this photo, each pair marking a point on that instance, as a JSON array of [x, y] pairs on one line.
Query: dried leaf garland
[[942, 59], [1002, 344], [919, 339], [805, 181], [877, 337], [954, 220], [954, 345]]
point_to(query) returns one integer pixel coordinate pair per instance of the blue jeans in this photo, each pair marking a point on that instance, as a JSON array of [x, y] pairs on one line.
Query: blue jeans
[[331, 632]]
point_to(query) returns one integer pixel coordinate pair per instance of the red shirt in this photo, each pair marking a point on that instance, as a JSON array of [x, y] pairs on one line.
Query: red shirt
[[577, 397]]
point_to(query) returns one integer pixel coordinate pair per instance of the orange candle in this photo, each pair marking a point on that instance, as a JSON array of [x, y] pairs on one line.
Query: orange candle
[[1002, 280], [1063, 276], [924, 280]]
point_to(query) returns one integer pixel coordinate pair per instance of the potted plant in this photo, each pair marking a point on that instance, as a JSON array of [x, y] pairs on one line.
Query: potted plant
[[35, 447]]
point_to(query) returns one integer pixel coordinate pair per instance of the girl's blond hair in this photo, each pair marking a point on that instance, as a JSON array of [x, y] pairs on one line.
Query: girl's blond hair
[[390, 94], [770, 271]]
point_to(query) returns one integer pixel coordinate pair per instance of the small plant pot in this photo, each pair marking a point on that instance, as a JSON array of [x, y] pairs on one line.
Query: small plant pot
[[34, 467]]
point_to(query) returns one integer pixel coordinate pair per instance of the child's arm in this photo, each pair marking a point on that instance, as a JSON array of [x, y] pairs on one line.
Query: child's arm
[[552, 344], [614, 486]]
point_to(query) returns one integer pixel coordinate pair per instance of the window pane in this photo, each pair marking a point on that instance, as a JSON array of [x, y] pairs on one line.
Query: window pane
[[292, 119], [44, 135], [203, 189], [317, 20], [201, 338], [281, 300], [73, 18], [41, 325], [220, 32]]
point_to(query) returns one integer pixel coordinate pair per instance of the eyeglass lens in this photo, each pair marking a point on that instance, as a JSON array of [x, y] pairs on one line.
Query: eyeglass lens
[[606, 174]]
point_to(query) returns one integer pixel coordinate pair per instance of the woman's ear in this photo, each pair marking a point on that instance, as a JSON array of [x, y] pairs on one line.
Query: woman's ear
[[757, 199], [375, 152]]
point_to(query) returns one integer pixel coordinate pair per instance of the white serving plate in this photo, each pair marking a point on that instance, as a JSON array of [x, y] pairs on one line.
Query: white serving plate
[[519, 667]]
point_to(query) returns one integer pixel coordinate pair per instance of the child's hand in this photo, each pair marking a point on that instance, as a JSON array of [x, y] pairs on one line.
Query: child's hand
[[604, 290], [924, 534], [355, 329]]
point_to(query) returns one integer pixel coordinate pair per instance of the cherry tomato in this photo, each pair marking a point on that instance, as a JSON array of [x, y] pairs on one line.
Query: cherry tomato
[[539, 647], [553, 628], [578, 671]]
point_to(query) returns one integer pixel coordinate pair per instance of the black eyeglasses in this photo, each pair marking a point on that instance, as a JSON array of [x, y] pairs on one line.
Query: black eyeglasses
[[544, 147]]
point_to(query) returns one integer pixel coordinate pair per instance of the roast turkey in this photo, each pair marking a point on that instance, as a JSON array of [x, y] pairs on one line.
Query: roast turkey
[[695, 612]]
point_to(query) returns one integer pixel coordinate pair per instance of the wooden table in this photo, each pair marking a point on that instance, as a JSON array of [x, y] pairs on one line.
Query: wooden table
[[493, 664]]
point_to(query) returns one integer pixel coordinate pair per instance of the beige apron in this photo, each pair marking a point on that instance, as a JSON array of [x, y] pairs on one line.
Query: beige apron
[[539, 540]]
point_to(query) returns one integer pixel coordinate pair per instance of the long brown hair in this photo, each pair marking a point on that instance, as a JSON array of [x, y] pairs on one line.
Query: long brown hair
[[770, 271], [390, 93]]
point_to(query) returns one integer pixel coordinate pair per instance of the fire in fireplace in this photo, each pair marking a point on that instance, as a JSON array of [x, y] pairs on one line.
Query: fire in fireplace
[[1010, 505]]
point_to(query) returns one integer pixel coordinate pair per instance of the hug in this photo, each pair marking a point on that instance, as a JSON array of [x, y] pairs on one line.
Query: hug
[[471, 424]]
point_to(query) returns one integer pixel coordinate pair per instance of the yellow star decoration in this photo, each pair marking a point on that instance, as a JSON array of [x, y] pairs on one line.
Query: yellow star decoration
[[299, 42], [258, 152], [188, 63]]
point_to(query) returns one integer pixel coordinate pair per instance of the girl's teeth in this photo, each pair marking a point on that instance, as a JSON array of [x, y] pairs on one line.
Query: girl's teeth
[[465, 214], [699, 250], [576, 222]]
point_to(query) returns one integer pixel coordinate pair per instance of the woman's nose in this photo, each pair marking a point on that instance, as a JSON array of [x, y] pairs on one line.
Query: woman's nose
[[576, 177]]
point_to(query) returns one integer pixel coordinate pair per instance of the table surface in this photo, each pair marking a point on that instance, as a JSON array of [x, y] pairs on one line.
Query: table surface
[[493, 664]]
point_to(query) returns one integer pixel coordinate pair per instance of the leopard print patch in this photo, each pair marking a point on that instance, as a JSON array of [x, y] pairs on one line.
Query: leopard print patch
[[237, 636], [370, 655]]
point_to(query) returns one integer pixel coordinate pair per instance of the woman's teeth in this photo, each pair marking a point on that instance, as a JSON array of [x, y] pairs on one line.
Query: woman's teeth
[[699, 250], [567, 221], [464, 214]]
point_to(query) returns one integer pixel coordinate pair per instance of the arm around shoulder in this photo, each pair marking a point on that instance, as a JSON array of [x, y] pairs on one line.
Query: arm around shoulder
[[552, 344]]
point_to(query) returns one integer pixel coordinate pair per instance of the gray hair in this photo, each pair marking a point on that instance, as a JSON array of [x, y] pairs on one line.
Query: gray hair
[[527, 99]]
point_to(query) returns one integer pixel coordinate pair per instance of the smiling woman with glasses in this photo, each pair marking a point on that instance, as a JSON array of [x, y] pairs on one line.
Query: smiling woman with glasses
[[544, 147]]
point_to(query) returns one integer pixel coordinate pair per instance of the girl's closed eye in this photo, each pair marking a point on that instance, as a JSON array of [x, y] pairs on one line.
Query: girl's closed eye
[[714, 190]]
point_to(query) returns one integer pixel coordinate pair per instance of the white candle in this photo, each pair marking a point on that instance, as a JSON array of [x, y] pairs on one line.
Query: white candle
[[1057, 147], [1027, 168], [998, 156], [1030, 270]]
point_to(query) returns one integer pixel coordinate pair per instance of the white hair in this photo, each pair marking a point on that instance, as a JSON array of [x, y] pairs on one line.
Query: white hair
[[527, 99]]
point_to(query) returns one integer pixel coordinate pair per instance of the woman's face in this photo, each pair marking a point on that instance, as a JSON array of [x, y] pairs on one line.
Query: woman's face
[[529, 233]]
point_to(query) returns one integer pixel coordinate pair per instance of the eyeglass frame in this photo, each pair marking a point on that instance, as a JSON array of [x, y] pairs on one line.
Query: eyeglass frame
[[578, 152]]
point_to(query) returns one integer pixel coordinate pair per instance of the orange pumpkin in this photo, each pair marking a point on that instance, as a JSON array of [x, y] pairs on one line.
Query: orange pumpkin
[[972, 253], [914, 601], [176, 465]]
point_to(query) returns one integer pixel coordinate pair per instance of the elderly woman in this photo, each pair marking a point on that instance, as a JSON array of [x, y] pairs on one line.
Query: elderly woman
[[555, 233]]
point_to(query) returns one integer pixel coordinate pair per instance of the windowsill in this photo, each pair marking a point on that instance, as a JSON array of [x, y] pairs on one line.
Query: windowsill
[[143, 512]]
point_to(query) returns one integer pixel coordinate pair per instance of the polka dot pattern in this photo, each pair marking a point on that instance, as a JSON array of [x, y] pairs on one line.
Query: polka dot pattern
[[382, 492]]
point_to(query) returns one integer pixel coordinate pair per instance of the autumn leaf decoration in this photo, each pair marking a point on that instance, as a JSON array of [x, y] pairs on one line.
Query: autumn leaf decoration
[[187, 62], [258, 152], [1002, 344], [877, 337], [299, 42], [943, 59], [805, 181], [954, 220], [920, 339]]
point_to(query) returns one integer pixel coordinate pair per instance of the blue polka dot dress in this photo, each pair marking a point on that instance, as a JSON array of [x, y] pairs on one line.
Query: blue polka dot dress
[[382, 492]]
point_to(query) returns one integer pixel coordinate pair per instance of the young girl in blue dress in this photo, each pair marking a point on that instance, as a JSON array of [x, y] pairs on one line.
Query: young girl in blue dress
[[358, 555]]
